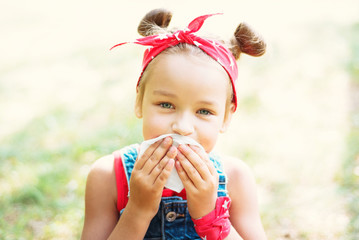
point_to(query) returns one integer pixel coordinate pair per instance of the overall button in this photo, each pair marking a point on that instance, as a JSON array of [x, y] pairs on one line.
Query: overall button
[[171, 216]]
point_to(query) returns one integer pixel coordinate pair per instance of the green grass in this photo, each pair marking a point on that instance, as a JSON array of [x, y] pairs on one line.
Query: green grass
[[44, 165], [349, 177], [43, 171], [350, 183]]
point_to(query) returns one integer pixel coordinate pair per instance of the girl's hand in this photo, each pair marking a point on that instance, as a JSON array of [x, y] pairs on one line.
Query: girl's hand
[[149, 176], [199, 178]]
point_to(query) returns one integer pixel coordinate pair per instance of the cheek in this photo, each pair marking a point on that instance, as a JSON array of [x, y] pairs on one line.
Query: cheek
[[154, 126], [209, 140], [208, 136]]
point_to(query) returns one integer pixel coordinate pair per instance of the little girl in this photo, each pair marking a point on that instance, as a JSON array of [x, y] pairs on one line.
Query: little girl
[[186, 88]]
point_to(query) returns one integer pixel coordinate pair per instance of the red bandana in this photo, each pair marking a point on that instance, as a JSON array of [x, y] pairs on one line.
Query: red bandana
[[160, 42]]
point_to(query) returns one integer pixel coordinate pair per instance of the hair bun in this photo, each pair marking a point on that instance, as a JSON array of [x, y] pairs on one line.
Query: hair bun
[[154, 21], [247, 41]]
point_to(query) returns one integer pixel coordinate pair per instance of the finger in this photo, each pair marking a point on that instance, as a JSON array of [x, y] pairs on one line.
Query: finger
[[197, 162], [162, 164], [140, 162], [190, 170], [164, 174], [157, 155], [187, 182], [203, 155]]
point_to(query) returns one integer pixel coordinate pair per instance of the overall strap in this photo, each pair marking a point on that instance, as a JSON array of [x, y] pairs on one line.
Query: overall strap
[[124, 161], [121, 181]]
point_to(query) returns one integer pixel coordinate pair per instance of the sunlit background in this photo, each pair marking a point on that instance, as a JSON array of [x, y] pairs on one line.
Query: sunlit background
[[66, 100]]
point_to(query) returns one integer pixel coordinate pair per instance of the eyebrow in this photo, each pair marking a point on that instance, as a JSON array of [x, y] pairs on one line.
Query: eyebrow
[[168, 94], [164, 93], [207, 103]]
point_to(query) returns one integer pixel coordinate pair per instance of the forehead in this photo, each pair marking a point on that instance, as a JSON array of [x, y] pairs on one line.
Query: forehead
[[196, 71]]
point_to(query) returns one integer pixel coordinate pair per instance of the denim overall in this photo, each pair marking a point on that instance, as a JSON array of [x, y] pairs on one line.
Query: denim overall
[[172, 220]]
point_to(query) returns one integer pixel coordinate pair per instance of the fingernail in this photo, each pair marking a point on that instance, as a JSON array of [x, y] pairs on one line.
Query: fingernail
[[195, 147], [171, 162], [178, 166], [167, 140], [172, 150]]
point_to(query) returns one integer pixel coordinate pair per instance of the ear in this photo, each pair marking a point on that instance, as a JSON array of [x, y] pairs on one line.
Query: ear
[[227, 118], [138, 104]]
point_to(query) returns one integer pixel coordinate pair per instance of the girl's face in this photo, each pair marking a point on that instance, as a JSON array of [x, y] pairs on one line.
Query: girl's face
[[187, 95]]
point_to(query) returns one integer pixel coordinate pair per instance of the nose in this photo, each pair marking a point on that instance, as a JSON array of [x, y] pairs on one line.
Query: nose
[[183, 125]]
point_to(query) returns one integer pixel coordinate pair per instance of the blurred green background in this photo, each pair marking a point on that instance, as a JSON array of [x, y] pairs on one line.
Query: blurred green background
[[65, 100]]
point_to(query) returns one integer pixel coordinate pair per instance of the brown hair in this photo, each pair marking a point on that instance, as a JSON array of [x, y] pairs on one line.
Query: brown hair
[[244, 40]]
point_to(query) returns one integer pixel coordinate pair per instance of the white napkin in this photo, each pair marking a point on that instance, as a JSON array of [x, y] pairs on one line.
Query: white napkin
[[173, 182]]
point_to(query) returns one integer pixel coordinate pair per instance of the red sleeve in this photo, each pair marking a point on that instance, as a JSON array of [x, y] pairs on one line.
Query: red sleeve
[[121, 182]]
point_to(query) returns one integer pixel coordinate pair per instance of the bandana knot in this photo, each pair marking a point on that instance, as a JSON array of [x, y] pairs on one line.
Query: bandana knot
[[184, 37]]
